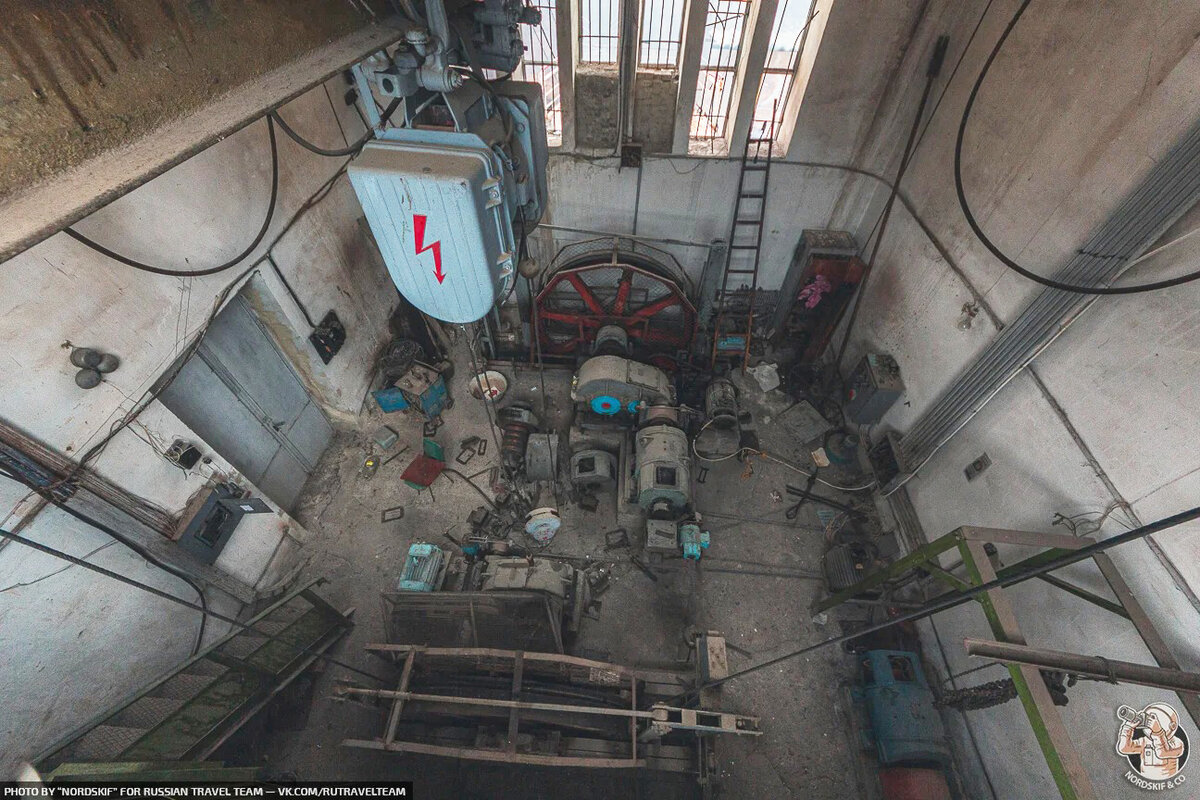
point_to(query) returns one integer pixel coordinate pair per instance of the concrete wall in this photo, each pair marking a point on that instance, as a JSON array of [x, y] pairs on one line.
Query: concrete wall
[[75, 641], [654, 94], [1083, 100]]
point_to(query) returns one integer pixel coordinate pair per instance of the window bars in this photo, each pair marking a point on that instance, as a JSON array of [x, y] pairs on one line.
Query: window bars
[[598, 25], [719, 61], [787, 42], [661, 33], [541, 66]]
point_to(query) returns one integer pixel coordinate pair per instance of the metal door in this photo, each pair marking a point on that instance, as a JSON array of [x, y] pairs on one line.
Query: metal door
[[242, 397]]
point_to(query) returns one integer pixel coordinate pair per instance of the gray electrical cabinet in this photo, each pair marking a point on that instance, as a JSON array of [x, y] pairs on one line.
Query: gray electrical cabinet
[[872, 389]]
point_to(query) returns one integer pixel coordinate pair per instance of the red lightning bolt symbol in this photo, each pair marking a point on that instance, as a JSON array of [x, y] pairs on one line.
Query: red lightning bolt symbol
[[436, 247]]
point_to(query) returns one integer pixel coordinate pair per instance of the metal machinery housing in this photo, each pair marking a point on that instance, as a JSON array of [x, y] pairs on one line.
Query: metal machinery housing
[[609, 385], [618, 297], [446, 194], [663, 471]]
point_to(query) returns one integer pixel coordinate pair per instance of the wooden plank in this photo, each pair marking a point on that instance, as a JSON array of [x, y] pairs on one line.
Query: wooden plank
[[633, 731], [1024, 538], [492, 652], [495, 755], [515, 711], [420, 697], [398, 703]]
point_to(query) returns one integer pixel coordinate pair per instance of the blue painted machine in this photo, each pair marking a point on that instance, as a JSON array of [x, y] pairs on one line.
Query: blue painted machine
[[903, 727], [449, 189], [424, 568], [421, 389], [692, 540]]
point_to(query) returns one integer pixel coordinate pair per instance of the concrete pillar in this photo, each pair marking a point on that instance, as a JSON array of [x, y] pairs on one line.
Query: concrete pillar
[[689, 71], [756, 41], [627, 60], [567, 28]]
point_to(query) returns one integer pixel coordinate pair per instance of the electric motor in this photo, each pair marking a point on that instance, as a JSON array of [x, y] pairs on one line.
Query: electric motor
[[664, 471], [720, 403]]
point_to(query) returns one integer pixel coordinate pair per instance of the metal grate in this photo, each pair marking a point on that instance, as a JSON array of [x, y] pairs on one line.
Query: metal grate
[[541, 67], [661, 33], [598, 25], [787, 43], [723, 29]]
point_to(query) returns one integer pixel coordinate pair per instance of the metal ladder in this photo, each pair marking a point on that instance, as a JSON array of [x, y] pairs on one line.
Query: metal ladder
[[188, 713], [734, 327]]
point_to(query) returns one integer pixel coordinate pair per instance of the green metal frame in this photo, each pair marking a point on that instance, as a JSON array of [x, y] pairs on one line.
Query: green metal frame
[[1052, 735]]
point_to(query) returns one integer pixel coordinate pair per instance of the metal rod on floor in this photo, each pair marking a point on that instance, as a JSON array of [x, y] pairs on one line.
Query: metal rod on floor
[[958, 598], [1091, 666]]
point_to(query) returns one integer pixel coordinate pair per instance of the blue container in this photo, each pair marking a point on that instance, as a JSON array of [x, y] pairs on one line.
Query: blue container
[[904, 725]]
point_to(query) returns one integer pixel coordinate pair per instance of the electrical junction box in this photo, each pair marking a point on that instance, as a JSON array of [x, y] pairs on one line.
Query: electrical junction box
[[872, 389], [446, 205]]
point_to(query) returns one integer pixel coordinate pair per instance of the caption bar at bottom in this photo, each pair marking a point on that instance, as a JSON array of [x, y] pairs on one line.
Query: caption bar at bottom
[[186, 791]]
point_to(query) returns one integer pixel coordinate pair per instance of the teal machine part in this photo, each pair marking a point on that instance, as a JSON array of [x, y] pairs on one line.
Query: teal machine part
[[422, 388], [609, 385], [607, 405], [904, 727], [692, 540], [423, 569]]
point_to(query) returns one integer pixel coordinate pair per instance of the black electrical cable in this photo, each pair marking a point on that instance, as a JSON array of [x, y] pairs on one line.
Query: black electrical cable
[[127, 542], [177, 600], [931, 73], [983, 237], [958, 598], [233, 262], [349, 150]]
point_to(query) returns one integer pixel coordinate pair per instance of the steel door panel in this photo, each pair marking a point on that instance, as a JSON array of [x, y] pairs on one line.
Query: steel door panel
[[210, 408], [237, 342], [309, 435], [284, 479]]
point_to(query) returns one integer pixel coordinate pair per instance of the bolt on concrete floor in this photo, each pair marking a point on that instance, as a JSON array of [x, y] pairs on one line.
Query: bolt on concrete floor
[[810, 745]]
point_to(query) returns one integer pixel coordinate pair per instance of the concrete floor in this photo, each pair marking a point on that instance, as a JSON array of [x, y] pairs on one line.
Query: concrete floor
[[809, 747]]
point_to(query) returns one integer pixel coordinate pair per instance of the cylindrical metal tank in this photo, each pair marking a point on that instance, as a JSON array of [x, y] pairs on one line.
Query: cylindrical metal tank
[[664, 471]]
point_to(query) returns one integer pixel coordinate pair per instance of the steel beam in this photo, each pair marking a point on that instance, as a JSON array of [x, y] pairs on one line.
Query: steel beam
[[1024, 538], [1145, 628], [1090, 666], [916, 558], [1048, 727]]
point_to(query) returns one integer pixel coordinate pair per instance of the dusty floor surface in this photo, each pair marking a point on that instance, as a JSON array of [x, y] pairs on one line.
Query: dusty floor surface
[[808, 748]]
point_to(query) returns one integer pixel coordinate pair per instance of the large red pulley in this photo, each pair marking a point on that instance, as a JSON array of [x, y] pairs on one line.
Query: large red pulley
[[578, 301]]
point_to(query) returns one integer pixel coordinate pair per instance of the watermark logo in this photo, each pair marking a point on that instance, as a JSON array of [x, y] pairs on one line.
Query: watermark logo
[[1154, 745]]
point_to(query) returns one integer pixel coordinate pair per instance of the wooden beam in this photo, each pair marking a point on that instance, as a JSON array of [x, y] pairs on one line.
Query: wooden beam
[[1051, 732], [495, 755]]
